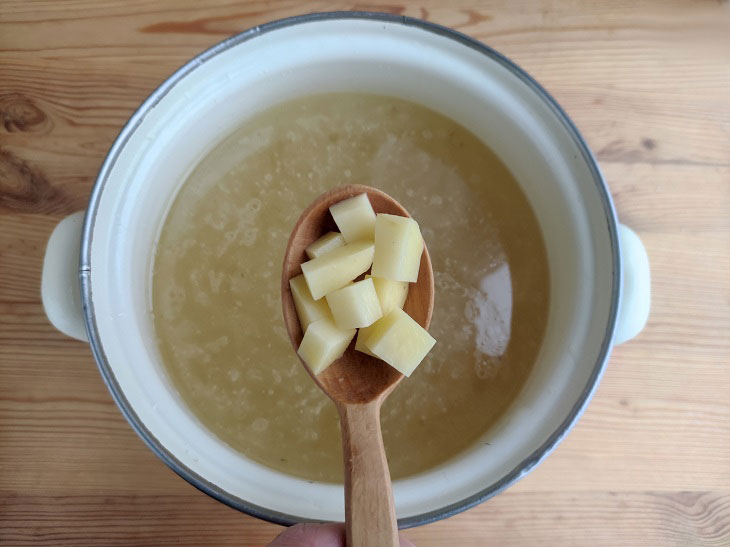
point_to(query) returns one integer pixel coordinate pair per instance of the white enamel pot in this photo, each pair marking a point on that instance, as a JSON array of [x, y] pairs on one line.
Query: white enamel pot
[[599, 269]]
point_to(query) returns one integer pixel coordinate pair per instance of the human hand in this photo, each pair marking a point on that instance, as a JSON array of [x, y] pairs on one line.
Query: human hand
[[318, 535]]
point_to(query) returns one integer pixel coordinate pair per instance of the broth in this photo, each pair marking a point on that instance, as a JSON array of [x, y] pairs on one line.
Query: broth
[[215, 286]]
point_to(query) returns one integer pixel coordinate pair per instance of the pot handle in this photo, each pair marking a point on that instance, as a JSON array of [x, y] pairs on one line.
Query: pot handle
[[636, 297], [60, 289], [61, 293]]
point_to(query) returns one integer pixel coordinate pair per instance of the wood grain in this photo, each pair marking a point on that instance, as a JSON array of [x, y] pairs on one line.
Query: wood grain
[[369, 505], [647, 83]]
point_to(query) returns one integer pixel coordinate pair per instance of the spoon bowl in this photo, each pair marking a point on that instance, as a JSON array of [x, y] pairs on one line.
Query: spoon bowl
[[355, 377], [356, 382]]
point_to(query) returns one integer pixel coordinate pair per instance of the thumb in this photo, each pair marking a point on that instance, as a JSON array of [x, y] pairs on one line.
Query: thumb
[[318, 535]]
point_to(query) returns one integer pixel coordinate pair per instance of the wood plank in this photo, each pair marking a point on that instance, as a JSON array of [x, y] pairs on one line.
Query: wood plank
[[551, 518], [648, 85]]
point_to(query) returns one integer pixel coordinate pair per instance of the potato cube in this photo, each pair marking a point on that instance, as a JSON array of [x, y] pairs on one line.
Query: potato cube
[[391, 294], [399, 341], [362, 335], [398, 248], [355, 305], [335, 269], [328, 242], [308, 309], [355, 218], [323, 344]]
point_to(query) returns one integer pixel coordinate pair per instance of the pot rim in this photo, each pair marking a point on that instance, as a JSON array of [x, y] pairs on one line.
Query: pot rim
[[523, 467]]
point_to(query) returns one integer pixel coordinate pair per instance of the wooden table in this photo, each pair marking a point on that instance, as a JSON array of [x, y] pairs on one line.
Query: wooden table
[[648, 84]]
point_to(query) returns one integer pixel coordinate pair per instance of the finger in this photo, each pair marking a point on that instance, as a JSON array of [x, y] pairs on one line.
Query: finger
[[311, 535]]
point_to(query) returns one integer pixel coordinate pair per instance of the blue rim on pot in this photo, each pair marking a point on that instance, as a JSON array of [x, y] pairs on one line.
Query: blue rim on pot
[[521, 468]]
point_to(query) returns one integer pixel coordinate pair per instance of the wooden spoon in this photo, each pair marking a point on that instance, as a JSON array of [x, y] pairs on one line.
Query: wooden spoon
[[357, 383]]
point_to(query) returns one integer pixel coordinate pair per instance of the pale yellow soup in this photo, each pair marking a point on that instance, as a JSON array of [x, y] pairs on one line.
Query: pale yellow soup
[[216, 296]]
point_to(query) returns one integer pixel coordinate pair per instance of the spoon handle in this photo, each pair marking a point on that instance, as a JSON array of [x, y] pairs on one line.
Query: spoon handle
[[369, 507]]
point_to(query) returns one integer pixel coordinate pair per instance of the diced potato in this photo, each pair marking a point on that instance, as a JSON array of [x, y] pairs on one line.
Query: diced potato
[[335, 269], [328, 242], [308, 310], [323, 344], [362, 335], [355, 305], [398, 248], [355, 218], [391, 294], [399, 341]]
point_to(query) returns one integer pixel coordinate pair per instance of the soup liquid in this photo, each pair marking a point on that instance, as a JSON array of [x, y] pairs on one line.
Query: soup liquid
[[216, 297]]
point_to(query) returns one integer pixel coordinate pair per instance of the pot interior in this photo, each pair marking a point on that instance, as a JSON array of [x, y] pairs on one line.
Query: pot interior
[[212, 96]]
